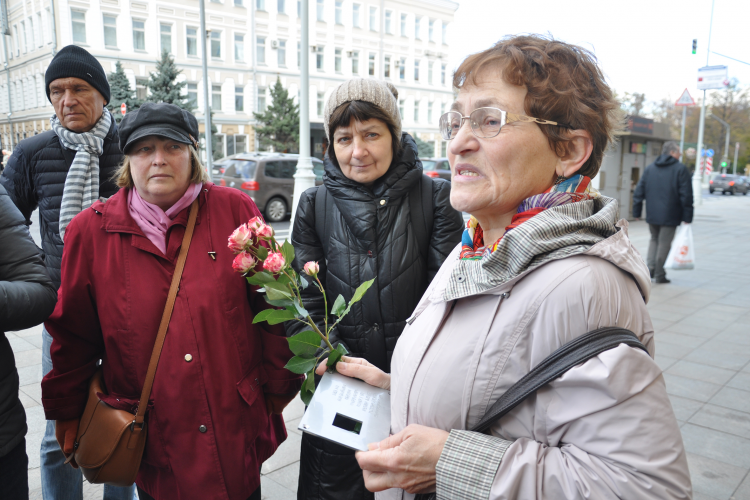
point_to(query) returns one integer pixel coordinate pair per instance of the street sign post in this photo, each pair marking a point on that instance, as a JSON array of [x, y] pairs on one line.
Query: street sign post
[[685, 100], [712, 77], [123, 108]]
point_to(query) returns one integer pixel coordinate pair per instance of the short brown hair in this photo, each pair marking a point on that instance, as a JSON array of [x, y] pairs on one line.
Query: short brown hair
[[361, 111], [564, 84], [198, 173]]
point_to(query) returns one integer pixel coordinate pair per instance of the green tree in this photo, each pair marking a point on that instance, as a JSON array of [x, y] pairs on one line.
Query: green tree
[[278, 125], [120, 92], [164, 85], [425, 149]]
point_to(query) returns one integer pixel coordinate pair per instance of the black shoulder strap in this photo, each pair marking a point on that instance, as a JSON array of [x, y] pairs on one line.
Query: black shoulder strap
[[575, 352], [420, 207], [322, 207]]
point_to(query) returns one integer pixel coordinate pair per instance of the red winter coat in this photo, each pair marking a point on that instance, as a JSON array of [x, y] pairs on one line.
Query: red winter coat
[[113, 292]]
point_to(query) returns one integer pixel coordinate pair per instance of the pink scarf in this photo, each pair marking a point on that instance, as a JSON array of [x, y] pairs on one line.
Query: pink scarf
[[152, 220]]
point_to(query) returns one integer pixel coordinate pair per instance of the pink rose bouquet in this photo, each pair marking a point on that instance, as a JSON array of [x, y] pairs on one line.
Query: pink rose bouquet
[[254, 243]]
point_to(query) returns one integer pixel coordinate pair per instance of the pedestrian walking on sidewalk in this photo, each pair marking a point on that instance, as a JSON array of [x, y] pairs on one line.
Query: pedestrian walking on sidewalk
[[544, 260], [63, 171], [214, 413], [376, 216], [27, 297], [665, 187]]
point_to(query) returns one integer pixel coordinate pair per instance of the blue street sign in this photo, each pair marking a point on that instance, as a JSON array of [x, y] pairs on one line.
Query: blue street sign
[[708, 152]]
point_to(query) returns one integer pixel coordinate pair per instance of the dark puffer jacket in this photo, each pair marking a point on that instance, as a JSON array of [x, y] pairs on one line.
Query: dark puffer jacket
[[35, 177], [27, 297], [372, 235], [668, 192]]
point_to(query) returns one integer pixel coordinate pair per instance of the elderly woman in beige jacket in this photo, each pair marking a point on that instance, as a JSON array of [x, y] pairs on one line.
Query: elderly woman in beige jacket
[[543, 260]]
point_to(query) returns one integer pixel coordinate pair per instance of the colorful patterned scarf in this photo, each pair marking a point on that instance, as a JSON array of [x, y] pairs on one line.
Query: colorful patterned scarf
[[577, 188]]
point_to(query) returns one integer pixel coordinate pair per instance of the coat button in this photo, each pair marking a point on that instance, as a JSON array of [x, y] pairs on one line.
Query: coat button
[[202, 428], [188, 357], [382, 202]]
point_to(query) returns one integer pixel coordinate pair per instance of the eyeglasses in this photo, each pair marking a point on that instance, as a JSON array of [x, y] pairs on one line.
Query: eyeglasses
[[485, 122]]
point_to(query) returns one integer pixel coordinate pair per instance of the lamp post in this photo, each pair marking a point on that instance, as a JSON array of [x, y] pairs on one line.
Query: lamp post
[[725, 156], [206, 107], [698, 174], [304, 178]]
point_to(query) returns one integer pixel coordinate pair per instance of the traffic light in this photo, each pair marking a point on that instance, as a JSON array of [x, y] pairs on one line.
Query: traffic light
[[695, 45], [724, 164]]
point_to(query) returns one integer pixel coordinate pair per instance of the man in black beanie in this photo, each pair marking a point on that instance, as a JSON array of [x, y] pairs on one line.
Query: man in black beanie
[[62, 172]]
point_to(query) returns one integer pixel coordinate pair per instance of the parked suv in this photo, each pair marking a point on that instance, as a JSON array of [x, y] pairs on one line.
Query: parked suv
[[266, 177], [728, 183], [436, 167]]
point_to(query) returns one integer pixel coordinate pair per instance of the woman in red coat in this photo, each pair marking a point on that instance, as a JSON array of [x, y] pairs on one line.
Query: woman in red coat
[[209, 431]]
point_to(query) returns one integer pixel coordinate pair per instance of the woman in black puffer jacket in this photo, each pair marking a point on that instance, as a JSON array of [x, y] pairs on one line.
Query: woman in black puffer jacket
[[376, 216]]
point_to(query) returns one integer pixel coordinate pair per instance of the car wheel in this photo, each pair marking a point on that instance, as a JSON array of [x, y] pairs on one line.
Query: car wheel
[[731, 191], [723, 193], [276, 210], [711, 191]]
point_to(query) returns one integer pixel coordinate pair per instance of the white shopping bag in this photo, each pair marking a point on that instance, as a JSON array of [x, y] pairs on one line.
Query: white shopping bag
[[681, 254]]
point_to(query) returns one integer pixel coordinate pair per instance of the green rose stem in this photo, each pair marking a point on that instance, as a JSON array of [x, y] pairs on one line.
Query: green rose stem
[[295, 290]]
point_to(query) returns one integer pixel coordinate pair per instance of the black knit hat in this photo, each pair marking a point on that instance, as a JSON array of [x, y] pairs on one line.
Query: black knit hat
[[160, 119], [75, 62]]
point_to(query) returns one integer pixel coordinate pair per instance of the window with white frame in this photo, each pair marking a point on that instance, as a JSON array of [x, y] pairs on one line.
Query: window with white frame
[[239, 47], [416, 70], [260, 4], [215, 1], [417, 26], [139, 34], [371, 64], [319, 57], [355, 62], [24, 38], [216, 44], [299, 55], [299, 8], [320, 103], [355, 15], [78, 21], [165, 31], [401, 108], [429, 112], [402, 69], [387, 67], [416, 110], [442, 74], [431, 30], [337, 60], [238, 3], [191, 35], [445, 33], [320, 10], [216, 97], [192, 94], [261, 99], [373, 19], [281, 54], [430, 65], [239, 99], [389, 22], [38, 29], [260, 49], [281, 6], [403, 24], [339, 12], [110, 30], [16, 40]]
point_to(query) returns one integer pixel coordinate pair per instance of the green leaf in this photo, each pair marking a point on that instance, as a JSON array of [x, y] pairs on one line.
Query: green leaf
[[303, 282], [279, 303], [342, 349], [273, 316], [304, 344], [308, 388], [260, 278], [333, 357], [287, 250], [275, 294], [281, 287], [360, 292], [284, 279], [339, 306], [301, 311], [262, 253], [300, 365]]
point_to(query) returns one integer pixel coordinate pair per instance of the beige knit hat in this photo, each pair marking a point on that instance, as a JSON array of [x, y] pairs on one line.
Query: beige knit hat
[[378, 92]]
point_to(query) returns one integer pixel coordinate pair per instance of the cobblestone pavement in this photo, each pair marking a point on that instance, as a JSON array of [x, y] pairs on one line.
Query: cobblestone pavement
[[702, 322]]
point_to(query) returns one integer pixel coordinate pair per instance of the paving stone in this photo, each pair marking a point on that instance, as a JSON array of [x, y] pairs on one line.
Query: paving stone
[[35, 341], [684, 408], [723, 419], [712, 477], [286, 476], [34, 391], [271, 490], [735, 399], [291, 426], [37, 425], [30, 375], [19, 345], [671, 350], [716, 445], [697, 330], [718, 359], [681, 339], [28, 358], [26, 401], [740, 381], [698, 371], [743, 491], [664, 362], [725, 347], [294, 410], [286, 454], [688, 388]]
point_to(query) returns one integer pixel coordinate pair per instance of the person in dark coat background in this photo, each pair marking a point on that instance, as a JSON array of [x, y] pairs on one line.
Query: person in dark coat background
[[61, 172], [27, 297], [376, 216], [666, 189]]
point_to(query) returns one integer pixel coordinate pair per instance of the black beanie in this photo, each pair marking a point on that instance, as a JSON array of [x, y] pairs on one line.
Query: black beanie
[[74, 61]]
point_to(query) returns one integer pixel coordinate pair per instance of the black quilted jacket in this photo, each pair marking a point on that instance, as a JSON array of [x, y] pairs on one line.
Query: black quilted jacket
[[35, 177], [27, 297]]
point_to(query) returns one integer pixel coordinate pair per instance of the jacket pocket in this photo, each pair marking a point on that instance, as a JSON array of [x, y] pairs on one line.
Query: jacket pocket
[[155, 453], [254, 413]]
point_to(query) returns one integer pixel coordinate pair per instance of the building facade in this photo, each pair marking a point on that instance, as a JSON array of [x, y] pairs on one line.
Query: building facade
[[251, 43]]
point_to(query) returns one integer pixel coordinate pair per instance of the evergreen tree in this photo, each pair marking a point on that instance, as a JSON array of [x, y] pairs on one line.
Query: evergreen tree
[[278, 125], [120, 92], [164, 85], [425, 149]]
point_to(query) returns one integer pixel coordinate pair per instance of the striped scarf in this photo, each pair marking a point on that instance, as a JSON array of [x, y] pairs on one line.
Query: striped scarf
[[577, 188], [81, 188]]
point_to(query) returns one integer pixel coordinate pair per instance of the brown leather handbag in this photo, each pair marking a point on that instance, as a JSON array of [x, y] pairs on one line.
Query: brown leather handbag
[[110, 442]]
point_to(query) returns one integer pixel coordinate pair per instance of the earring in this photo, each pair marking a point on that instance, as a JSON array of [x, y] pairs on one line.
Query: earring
[[560, 180]]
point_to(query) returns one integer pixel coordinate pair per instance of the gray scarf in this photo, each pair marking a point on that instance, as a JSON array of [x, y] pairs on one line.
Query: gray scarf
[[82, 183]]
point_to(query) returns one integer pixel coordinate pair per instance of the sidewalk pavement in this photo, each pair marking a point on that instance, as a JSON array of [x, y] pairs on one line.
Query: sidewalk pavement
[[702, 322]]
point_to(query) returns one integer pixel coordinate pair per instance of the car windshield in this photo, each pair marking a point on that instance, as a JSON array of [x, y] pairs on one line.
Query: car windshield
[[428, 164], [246, 168]]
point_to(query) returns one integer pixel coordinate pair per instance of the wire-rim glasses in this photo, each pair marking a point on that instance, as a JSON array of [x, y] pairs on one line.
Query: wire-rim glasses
[[485, 122]]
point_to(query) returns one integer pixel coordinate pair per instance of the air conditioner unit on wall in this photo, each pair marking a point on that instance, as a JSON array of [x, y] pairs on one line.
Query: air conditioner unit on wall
[[274, 44]]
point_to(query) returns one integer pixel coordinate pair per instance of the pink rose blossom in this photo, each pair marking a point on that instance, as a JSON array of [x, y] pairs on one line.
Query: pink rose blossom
[[240, 238], [274, 263], [312, 268], [264, 232], [244, 262], [254, 223]]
